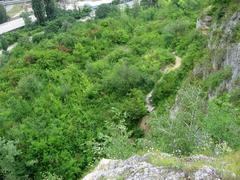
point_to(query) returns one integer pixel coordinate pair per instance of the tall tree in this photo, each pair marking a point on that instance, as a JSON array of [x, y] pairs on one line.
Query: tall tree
[[3, 14], [4, 43], [149, 3], [50, 8], [39, 10]]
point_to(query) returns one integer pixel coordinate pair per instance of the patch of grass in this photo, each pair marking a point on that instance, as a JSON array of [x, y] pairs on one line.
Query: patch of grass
[[232, 161], [171, 161], [225, 165]]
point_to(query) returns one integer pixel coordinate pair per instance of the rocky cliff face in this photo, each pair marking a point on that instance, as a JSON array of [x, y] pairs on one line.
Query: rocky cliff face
[[141, 168], [226, 54], [203, 24]]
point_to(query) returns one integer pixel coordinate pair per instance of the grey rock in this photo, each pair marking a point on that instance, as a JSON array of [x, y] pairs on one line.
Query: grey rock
[[204, 23], [206, 173], [225, 54], [200, 157], [138, 168]]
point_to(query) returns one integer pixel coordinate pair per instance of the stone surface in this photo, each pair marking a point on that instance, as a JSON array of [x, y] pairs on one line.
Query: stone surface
[[200, 157], [204, 23], [138, 168], [226, 54], [206, 173]]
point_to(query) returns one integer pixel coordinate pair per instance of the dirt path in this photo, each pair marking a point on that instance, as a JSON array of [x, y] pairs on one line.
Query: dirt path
[[178, 63], [149, 103]]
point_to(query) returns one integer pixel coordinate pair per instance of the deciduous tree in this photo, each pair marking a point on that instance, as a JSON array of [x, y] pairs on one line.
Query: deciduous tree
[[3, 14], [50, 8], [39, 10]]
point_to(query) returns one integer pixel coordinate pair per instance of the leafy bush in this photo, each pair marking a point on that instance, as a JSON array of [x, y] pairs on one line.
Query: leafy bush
[[38, 37], [216, 78], [66, 43], [122, 79], [29, 87], [236, 35], [196, 127], [161, 55], [134, 107], [4, 44], [183, 134], [222, 124], [165, 87], [119, 36], [27, 19], [117, 142], [106, 10], [9, 165]]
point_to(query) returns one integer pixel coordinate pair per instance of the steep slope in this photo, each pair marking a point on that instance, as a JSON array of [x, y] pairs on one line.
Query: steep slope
[[75, 93], [226, 54], [218, 76]]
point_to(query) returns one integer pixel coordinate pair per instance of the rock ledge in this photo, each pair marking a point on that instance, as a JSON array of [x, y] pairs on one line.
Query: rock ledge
[[140, 168]]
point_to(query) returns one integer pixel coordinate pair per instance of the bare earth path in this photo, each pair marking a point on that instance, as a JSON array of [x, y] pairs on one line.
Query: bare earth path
[[149, 104]]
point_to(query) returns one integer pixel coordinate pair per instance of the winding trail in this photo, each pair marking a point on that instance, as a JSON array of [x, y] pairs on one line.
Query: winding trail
[[148, 100]]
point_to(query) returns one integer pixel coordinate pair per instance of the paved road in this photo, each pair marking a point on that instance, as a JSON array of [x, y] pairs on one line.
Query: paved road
[[14, 24], [12, 2], [18, 23]]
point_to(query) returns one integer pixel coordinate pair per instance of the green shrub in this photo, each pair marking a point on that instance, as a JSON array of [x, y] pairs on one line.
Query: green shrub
[[165, 87], [222, 124], [134, 107], [161, 55], [119, 36], [66, 42], [9, 38], [4, 44], [214, 79], [236, 35], [181, 135], [29, 87], [122, 79], [106, 10], [37, 38], [117, 142], [10, 166]]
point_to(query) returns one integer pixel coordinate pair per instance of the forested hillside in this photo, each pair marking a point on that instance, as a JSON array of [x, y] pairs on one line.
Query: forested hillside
[[72, 92]]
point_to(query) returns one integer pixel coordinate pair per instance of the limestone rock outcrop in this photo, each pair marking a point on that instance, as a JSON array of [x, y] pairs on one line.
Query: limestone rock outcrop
[[226, 54], [139, 168], [204, 23]]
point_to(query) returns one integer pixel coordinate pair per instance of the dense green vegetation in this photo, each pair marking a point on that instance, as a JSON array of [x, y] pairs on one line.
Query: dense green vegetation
[[75, 92]]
